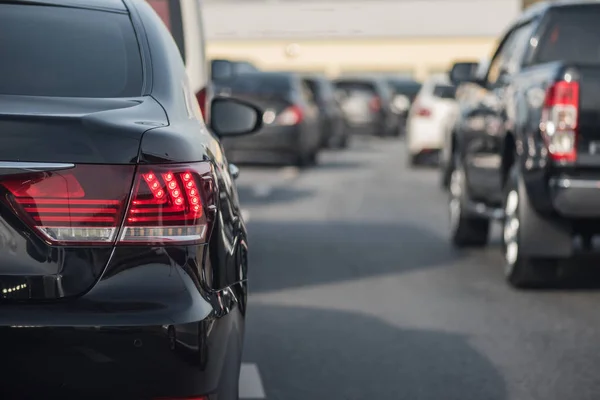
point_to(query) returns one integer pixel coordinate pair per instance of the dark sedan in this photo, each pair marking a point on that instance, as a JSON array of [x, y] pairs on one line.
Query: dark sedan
[[291, 133], [367, 105], [333, 124], [404, 92], [123, 255]]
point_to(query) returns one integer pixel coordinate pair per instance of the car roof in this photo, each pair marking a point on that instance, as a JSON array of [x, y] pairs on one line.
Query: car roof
[[113, 5], [539, 8]]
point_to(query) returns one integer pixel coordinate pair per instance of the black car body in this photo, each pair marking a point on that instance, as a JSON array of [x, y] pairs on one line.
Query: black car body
[[333, 123], [367, 105], [291, 133], [528, 149], [123, 252], [404, 91]]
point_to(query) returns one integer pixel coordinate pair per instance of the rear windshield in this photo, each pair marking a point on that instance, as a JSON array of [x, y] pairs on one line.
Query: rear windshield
[[221, 69], [66, 52], [571, 35], [407, 89], [262, 84], [444, 91], [350, 87]]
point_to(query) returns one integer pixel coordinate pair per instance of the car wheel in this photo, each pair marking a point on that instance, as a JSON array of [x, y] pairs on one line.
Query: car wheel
[[466, 230], [413, 160], [521, 271]]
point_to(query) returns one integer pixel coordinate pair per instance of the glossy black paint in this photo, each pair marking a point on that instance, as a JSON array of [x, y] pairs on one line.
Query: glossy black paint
[[129, 322], [500, 127]]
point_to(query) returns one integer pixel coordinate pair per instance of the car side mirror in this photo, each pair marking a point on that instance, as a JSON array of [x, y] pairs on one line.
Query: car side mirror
[[463, 72], [233, 117]]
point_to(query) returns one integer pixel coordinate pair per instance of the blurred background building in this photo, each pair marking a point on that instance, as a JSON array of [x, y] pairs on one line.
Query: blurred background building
[[337, 37]]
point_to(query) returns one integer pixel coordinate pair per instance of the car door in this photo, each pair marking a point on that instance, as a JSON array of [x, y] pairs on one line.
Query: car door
[[484, 126]]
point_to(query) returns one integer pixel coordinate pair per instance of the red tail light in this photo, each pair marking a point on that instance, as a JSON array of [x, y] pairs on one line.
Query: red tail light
[[375, 104], [84, 204], [290, 116], [423, 112], [87, 204], [170, 203], [559, 120]]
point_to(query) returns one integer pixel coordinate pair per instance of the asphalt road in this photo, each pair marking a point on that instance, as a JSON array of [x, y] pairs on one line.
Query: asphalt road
[[357, 294]]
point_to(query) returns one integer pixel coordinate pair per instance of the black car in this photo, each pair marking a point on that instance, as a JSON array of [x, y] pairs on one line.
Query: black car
[[404, 91], [123, 255], [291, 133], [367, 105], [333, 124], [526, 149]]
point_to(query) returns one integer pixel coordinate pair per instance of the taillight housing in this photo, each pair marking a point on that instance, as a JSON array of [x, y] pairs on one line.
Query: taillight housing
[[170, 204], [97, 205], [423, 112], [292, 115], [375, 104], [80, 205], [559, 121]]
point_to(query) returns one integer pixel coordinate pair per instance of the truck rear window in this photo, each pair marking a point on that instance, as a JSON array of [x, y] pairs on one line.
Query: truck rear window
[[67, 52], [571, 35]]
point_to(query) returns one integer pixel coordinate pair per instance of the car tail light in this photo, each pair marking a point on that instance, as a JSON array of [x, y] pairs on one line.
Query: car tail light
[[87, 204], [290, 116], [80, 205], [170, 204], [375, 104], [558, 124]]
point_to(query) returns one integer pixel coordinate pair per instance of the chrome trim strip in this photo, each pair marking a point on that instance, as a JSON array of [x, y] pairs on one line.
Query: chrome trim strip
[[566, 183], [34, 166]]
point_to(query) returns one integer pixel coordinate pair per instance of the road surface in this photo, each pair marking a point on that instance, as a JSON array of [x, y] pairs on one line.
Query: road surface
[[357, 294]]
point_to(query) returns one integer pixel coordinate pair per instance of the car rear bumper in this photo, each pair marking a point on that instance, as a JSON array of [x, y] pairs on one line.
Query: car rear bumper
[[576, 197], [424, 136], [145, 331]]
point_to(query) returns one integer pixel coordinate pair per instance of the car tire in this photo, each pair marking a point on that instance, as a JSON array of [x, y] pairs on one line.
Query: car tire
[[466, 229], [521, 271]]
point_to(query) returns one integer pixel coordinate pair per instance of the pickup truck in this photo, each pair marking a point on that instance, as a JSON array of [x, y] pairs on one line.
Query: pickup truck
[[527, 150]]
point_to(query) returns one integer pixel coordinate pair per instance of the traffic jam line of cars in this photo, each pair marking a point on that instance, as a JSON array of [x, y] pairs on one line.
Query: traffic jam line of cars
[[124, 254]]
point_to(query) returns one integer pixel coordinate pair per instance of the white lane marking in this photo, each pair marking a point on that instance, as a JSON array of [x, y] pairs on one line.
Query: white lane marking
[[251, 386], [93, 355], [245, 215], [262, 191]]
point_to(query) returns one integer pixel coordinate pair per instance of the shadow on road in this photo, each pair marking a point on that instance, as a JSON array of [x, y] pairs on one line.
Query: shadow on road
[[288, 343], [290, 254]]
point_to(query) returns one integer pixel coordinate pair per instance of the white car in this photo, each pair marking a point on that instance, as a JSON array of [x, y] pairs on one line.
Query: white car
[[430, 117]]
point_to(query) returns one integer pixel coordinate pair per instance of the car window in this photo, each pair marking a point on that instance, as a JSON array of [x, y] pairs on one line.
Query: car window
[[68, 52], [499, 63], [221, 69], [262, 84], [570, 35], [349, 88], [444, 91]]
